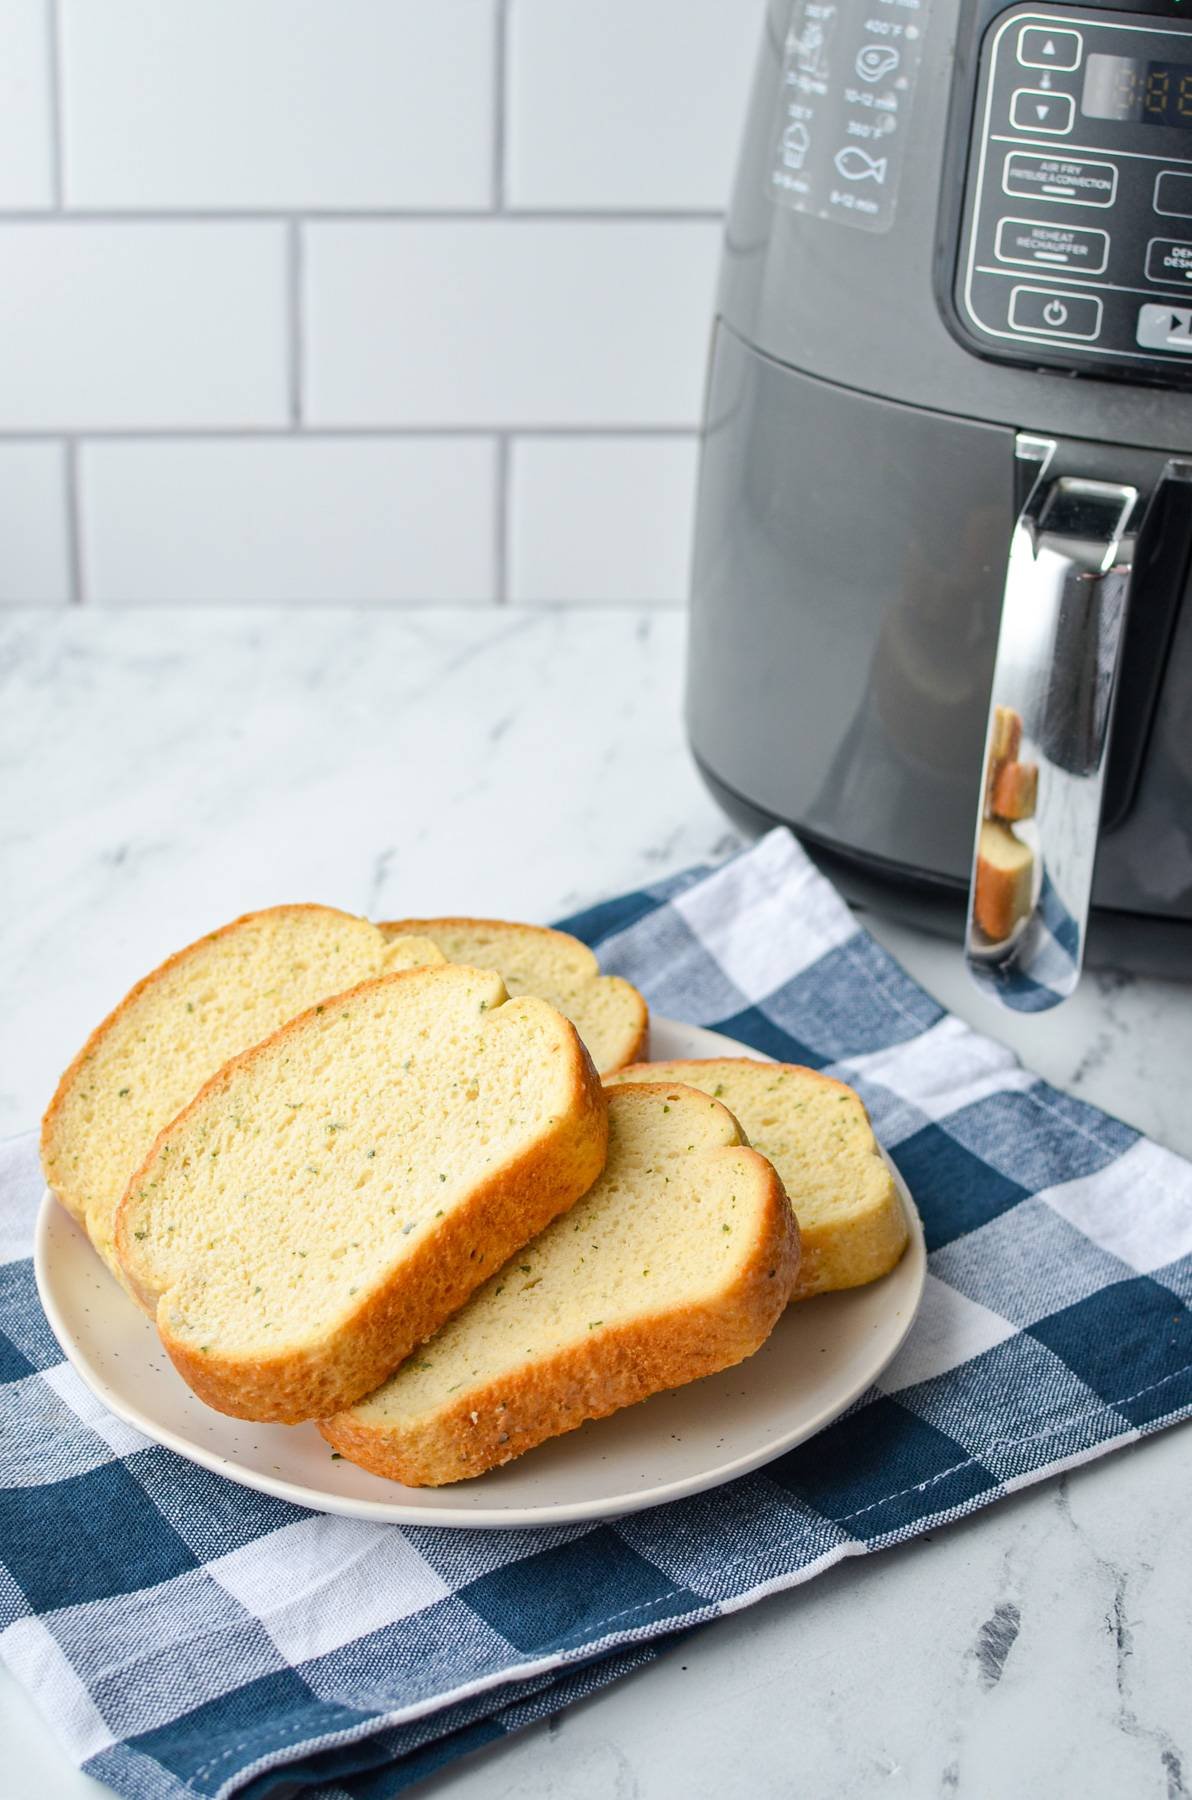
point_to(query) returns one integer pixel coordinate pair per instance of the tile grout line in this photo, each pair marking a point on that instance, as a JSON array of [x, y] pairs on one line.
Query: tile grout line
[[172, 434], [501, 501], [74, 532], [220, 604], [54, 84], [295, 319], [60, 214], [500, 89]]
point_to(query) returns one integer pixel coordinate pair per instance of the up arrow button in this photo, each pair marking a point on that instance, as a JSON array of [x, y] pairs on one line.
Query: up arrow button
[[1041, 48]]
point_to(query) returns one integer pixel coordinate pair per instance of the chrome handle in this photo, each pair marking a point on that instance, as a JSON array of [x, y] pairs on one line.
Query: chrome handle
[[1059, 650]]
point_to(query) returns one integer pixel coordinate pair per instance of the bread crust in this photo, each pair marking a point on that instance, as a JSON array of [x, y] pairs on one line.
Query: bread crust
[[611, 1369], [509, 1206], [1015, 792], [1001, 894], [636, 1042], [73, 1203], [873, 1246]]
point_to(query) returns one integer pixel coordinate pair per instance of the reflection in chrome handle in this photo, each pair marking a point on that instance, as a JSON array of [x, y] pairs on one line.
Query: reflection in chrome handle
[[1059, 649]]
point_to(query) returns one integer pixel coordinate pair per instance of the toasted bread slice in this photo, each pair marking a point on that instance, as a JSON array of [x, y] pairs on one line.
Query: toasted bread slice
[[609, 1014], [678, 1262], [1005, 742], [150, 1057], [1015, 792], [334, 1194], [1005, 880], [817, 1134]]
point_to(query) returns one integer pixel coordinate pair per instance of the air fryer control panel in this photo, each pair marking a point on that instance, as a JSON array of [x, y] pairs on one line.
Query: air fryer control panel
[[1076, 245]]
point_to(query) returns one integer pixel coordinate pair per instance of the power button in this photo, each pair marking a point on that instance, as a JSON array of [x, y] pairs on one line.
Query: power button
[[1054, 314]]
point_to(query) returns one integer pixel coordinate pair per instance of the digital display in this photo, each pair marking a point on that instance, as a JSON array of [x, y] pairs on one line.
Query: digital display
[[1136, 92]]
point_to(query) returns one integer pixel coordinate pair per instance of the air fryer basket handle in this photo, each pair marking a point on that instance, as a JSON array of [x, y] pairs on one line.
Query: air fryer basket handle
[[1063, 624]]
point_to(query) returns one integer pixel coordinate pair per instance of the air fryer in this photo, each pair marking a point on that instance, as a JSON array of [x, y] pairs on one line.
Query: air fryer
[[944, 527]]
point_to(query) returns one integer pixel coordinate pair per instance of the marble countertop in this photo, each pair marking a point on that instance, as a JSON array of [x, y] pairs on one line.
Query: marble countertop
[[163, 769]]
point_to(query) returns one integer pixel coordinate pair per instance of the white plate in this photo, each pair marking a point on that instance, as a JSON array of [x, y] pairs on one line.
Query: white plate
[[822, 1355]]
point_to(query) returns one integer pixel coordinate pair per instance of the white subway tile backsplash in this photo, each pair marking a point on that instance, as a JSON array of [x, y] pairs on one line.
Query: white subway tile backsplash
[[601, 519], [272, 103], [26, 167], [127, 325], [478, 222], [508, 322], [627, 105], [34, 531], [289, 519]]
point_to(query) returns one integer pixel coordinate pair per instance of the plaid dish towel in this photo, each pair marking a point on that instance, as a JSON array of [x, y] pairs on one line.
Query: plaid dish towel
[[185, 1636]]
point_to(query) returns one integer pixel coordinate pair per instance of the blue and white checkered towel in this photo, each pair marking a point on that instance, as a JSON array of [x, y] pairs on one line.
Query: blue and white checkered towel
[[185, 1636]]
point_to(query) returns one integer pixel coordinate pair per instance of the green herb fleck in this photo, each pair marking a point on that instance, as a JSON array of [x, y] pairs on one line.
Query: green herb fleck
[[592, 1323], [122, 1093], [140, 1234], [337, 1456]]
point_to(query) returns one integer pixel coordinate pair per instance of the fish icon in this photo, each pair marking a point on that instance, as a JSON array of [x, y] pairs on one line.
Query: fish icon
[[856, 164]]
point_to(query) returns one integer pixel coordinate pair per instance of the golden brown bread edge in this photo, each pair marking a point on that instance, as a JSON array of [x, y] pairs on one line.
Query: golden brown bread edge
[[872, 1252], [1002, 892], [50, 1116], [510, 1206], [606, 1372], [418, 928]]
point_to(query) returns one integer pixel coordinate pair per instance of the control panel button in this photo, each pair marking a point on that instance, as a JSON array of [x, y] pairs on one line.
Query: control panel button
[[1041, 48], [1043, 311], [1078, 189], [1045, 245], [1165, 328], [1173, 194], [1169, 259], [1040, 111], [1072, 182]]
